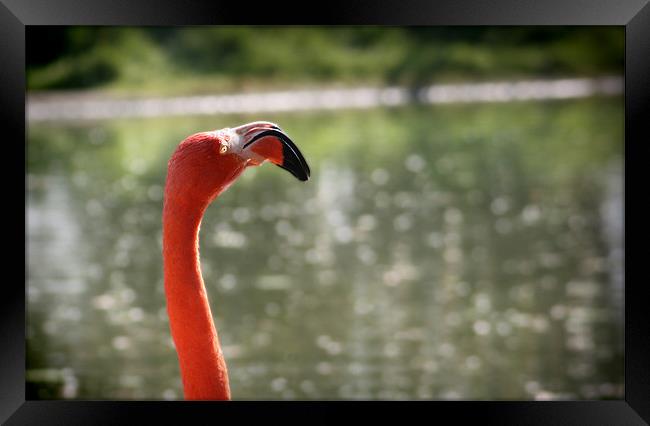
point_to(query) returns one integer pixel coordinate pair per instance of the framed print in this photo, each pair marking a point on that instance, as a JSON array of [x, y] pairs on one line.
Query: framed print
[[445, 231]]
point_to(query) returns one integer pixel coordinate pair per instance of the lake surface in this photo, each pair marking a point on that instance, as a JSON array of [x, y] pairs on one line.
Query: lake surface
[[437, 252]]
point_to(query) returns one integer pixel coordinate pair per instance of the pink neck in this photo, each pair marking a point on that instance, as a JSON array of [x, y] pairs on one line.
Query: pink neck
[[202, 365]]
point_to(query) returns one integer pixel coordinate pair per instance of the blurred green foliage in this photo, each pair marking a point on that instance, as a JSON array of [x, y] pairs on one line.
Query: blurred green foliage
[[176, 60]]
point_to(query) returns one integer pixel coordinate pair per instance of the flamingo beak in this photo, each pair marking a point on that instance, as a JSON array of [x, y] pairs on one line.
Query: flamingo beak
[[266, 141]]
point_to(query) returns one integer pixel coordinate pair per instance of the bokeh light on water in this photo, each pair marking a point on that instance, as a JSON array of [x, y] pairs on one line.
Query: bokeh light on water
[[438, 252]]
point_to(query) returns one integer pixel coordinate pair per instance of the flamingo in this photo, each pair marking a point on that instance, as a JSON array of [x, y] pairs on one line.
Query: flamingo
[[203, 166]]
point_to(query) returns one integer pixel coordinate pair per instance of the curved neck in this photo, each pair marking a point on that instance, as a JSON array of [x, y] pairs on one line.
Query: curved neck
[[202, 365]]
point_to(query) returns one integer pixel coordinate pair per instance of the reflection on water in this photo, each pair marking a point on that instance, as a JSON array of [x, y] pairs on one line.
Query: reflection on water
[[463, 252]]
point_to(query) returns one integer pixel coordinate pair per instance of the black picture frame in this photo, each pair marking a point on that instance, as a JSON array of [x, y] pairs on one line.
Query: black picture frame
[[634, 15]]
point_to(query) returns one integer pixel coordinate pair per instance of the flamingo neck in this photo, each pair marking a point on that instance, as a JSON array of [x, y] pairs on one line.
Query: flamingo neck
[[202, 365]]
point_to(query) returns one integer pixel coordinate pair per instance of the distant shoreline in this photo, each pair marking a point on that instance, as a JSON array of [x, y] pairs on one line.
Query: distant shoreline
[[92, 105]]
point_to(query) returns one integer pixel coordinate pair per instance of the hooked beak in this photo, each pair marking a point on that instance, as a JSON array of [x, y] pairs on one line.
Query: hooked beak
[[268, 141]]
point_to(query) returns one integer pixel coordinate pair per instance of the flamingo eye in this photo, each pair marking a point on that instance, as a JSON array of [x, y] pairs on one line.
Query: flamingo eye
[[224, 148]]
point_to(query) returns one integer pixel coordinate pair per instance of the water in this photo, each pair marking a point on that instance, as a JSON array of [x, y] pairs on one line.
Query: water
[[438, 252]]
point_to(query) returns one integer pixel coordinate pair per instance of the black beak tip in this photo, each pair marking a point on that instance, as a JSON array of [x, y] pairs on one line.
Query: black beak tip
[[295, 169], [294, 162]]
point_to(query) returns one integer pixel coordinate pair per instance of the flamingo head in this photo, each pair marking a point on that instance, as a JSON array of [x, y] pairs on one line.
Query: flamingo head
[[206, 163]]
